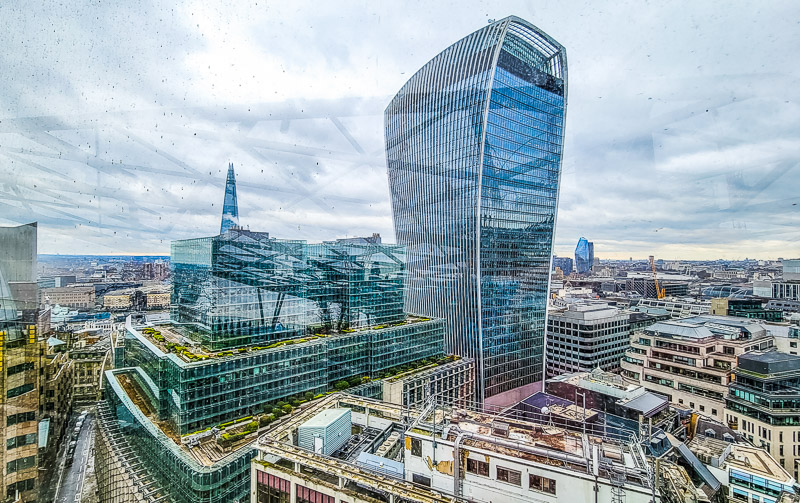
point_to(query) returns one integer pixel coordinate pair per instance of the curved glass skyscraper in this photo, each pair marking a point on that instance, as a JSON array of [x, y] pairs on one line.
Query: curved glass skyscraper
[[473, 146], [584, 256]]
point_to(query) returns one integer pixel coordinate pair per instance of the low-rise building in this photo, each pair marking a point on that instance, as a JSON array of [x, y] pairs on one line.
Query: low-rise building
[[78, 297], [157, 300], [691, 360], [748, 473], [763, 402], [446, 454], [678, 308], [117, 302], [745, 308]]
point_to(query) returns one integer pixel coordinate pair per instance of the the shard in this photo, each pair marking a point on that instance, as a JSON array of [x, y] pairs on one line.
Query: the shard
[[230, 208]]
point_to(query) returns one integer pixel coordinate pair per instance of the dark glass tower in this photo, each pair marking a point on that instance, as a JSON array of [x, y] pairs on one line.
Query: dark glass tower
[[473, 147], [584, 256], [230, 208]]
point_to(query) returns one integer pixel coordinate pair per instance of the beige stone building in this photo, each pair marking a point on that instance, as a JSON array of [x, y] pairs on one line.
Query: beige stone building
[[158, 300], [117, 302], [69, 296], [691, 360]]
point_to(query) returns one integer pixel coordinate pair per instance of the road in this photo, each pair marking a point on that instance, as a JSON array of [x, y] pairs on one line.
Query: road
[[72, 477]]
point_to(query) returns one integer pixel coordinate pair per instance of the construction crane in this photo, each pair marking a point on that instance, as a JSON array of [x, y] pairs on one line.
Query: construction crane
[[660, 293]]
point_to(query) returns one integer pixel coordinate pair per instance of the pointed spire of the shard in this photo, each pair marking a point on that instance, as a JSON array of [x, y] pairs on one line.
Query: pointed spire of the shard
[[230, 208]]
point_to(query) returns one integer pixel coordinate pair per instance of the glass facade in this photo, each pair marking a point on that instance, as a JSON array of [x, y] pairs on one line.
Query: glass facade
[[242, 288], [584, 256], [193, 395], [473, 146], [230, 206]]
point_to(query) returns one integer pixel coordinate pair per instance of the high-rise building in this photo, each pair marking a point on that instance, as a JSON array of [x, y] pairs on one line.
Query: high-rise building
[[565, 263], [35, 374], [230, 206], [584, 256], [473, 148]]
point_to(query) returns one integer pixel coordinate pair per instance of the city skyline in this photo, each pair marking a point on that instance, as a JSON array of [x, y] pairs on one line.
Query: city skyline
[[130, 152]]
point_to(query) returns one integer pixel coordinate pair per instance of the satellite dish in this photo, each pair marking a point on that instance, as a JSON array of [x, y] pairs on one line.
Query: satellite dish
[[545, 410]]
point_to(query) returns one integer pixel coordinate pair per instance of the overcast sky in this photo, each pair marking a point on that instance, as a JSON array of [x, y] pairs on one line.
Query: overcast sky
[[118, 119]]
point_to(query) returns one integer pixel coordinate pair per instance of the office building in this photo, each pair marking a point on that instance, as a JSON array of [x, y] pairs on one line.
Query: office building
[[791, 269], [118, 302], [449, 381], [157, 300], [745, 308], [584, 256], [584, 336], [646, 287], [90, 362], [473, 148], [255, 321], [763, 403], [748, 473], [691, 360], [446, 455], [564, 263]]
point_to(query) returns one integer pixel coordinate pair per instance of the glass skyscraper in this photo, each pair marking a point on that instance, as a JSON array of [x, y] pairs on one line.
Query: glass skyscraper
[[230, 206], [473, 147], [584, 256]]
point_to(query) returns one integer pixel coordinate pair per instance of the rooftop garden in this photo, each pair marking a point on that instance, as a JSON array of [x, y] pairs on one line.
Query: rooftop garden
[[316, 332]]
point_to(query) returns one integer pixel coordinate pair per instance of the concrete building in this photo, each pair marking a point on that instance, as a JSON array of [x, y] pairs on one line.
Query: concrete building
[[78, 297], [691, 360], [646, 287], [449, 381], [584, 336], [749, 474], [763, 402], [447, 455]]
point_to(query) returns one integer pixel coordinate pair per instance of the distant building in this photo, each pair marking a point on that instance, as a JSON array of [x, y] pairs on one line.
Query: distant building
[[763, 401], [230, 205], [565, 263], [646, 287], [585, 336], [79, 297], [117, 302], [791, 270], [745, 308], [584, 256], [691, 360], [677, 308], [158, 300]]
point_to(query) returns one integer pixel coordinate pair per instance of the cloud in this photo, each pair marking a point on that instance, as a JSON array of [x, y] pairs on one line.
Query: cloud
[[117, 121]]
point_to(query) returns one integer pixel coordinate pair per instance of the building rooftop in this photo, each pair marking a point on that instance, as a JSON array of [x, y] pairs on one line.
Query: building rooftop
[[325, 418], [720, 454], [769, 362]]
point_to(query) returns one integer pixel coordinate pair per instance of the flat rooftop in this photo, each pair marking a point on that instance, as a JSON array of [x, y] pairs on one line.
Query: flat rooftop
[[769, 362]]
